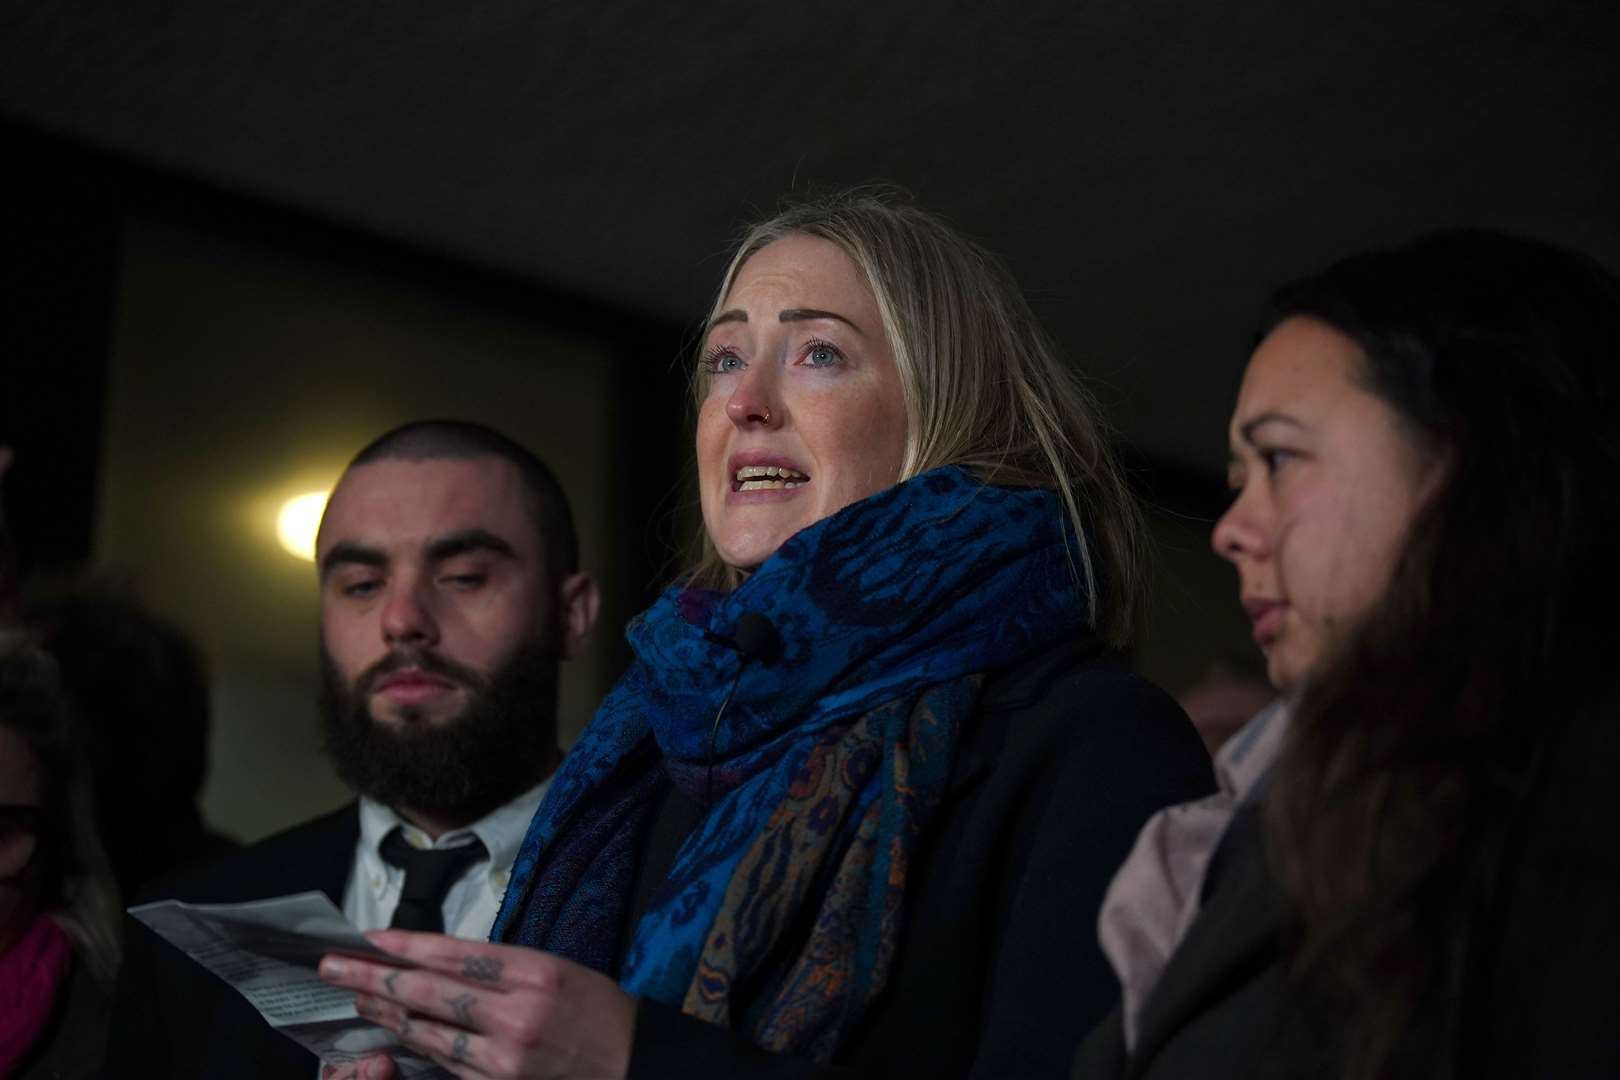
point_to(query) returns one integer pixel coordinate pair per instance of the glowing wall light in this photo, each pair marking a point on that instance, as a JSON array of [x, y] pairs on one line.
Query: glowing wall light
[[299, 520]]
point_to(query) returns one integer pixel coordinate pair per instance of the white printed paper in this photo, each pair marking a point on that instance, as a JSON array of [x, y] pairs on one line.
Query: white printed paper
[[268, 951]]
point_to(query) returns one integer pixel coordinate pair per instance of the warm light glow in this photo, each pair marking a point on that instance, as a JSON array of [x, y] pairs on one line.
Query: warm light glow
[[298, 522]]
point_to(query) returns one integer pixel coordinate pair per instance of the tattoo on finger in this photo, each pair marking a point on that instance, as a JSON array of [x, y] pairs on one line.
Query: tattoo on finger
[[462, 1006], [388, 983], [406, 1027], [459, 1053], [481, 968]]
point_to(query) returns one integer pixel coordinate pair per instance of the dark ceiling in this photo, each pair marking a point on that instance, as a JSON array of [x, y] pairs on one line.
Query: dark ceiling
[[1148, 168]]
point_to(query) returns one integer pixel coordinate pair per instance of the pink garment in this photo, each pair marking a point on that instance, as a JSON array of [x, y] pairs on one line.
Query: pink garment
[[1154, 896], [31, 972]]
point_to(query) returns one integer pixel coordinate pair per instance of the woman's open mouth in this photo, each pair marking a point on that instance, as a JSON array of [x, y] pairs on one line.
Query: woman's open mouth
[[767, 478]]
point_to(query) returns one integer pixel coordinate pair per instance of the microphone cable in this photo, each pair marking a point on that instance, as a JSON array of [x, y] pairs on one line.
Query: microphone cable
[[756, 639]]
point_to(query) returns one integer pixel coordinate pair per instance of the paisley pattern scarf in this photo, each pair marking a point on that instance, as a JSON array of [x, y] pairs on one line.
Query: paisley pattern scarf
[[782, 910]]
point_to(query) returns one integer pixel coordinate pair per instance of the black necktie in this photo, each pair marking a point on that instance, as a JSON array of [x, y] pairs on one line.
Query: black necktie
[[428, 876]]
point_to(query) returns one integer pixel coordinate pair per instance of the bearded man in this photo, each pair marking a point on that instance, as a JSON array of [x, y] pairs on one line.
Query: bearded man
[[450, 591]]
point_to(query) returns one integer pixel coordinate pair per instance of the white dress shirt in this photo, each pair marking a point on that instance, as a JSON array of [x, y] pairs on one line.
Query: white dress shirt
[[473, 900]]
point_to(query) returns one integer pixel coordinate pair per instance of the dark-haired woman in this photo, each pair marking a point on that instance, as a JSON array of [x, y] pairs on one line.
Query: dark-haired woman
[[1411, 869]]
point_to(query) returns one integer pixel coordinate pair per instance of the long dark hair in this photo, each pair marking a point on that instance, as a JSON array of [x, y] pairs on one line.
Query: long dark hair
[[1414, 748]]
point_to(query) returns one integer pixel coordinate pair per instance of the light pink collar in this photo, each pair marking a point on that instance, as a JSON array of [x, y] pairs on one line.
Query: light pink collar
[[1154, 896]]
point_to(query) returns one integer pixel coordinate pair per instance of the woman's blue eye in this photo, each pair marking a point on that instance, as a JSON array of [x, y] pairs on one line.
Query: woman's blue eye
[[722, 360], [822, 356]]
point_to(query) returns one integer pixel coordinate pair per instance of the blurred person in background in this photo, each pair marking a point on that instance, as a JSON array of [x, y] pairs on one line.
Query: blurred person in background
[[853, 808], [138, 692], [58, 903], [1224, 698], [1411, 870], [140, 695]]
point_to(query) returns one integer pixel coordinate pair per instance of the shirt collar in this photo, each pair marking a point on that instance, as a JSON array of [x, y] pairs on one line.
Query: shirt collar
[[502, 830], [1242, 765]]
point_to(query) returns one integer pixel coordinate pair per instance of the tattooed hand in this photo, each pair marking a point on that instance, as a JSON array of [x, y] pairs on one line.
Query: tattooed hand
[[481, 969], [490, 1010]]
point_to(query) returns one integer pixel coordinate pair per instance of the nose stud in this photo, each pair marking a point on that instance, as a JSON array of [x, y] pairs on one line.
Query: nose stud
[[767, 414]]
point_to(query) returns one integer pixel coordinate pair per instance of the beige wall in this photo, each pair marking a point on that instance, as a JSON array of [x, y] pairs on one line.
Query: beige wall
[[240, 378]]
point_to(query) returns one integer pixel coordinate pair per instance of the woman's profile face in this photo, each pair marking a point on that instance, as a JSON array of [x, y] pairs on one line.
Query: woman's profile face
[[803, 412], [1328, 479]]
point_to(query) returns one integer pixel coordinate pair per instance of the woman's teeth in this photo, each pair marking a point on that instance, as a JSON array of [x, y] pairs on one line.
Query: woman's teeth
[[767, 478]]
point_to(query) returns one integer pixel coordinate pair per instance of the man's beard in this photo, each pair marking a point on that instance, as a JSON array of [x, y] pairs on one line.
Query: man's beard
[[457, 769]]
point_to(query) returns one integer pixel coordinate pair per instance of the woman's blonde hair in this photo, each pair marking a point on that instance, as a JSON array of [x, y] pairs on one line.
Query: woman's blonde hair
[[984, 386]]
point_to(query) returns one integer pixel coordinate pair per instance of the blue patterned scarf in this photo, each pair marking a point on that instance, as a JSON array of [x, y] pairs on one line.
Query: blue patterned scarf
[[782, 910]]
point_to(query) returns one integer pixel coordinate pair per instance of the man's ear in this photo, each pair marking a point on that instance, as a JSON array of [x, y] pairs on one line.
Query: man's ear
[[579, 601]]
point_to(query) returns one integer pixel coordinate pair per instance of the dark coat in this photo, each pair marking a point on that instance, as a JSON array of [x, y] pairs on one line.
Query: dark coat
[[1538, 965], [1065, 759], [174, 1018], [1214, 1013]]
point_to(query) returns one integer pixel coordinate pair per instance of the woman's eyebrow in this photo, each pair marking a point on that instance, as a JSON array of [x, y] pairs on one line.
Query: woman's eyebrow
[[788, 315], [1248, 428], [804, 314]]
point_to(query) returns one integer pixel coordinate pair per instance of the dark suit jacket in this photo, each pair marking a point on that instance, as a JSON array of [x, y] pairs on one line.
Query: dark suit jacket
[[1065, 759], [174, 1018]]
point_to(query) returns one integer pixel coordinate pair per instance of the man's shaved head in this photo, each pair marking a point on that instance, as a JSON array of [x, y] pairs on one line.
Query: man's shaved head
[[431, 440]]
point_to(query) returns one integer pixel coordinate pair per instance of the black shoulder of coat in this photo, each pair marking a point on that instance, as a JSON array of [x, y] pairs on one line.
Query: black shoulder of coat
[[315, 854], [1080, 690]]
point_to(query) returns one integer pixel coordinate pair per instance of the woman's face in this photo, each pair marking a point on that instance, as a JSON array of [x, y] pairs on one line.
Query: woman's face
[[1328, 479], [803, 412]]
